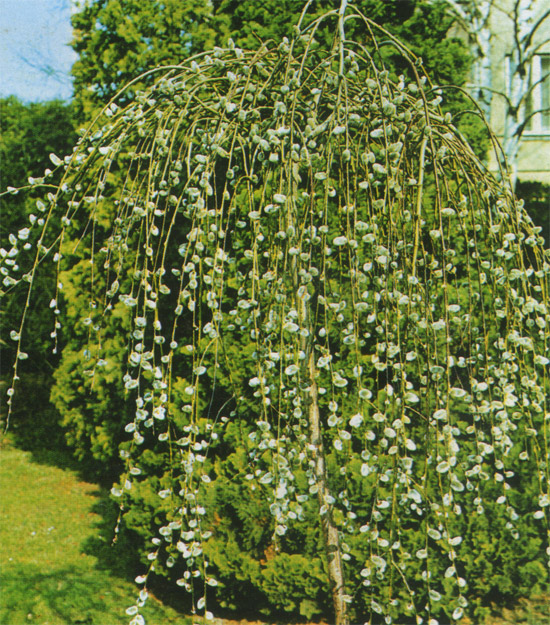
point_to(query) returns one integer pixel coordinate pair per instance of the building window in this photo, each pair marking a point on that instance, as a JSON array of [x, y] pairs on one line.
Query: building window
[[537, 109]]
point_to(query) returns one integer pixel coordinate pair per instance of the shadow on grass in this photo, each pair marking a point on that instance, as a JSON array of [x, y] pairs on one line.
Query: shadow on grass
[[121, 558], [46, 444], [71, 595], [62, 458]]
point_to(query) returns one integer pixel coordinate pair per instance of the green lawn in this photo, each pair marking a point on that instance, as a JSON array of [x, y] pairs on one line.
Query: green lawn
[[47, 575]]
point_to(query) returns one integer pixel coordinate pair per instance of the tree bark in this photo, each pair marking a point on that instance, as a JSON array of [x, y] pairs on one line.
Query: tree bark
[[330, 531], [331, 538]]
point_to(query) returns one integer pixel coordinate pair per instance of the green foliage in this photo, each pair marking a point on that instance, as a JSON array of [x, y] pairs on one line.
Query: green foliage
[[29, 133], [117, 40], [295, 584], [536, 196], [86, 391]]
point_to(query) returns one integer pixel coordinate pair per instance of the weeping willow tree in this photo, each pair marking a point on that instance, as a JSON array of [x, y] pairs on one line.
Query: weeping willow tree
[[305, 231]]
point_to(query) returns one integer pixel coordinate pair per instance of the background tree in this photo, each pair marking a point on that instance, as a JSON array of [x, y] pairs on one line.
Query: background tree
[[118, 40], [29, 133]]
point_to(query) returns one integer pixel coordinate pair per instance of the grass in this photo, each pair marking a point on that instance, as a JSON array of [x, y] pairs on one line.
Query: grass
[[48, 575]]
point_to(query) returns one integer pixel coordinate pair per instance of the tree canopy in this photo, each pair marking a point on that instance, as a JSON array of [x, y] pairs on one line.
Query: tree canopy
[[118, 40]]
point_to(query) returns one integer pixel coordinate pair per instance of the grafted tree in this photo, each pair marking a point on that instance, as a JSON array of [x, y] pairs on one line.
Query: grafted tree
[[323, 211]]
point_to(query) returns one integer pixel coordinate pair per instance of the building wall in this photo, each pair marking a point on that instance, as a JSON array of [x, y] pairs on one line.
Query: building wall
[[534, 150]]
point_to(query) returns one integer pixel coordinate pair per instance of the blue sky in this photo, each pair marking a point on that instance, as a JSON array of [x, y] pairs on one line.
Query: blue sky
[[35, 58]]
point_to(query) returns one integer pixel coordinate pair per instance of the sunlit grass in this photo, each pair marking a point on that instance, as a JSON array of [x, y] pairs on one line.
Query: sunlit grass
[[47, 577]]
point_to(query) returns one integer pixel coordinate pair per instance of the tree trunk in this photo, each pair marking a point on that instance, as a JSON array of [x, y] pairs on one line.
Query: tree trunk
[[330, 532]]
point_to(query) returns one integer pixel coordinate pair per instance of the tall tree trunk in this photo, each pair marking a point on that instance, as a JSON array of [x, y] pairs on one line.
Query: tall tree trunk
[[331, 538], [330, 532]]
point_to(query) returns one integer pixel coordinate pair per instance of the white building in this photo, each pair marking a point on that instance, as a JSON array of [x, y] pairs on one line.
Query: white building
[[520, 34]]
